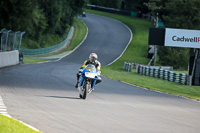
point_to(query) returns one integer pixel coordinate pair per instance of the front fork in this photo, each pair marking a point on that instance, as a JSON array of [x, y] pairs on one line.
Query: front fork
[[81, 85], [93, 84]]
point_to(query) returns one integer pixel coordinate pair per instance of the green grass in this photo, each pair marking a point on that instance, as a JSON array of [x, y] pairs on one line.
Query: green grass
[[185, 72], [137, 52], [32, 60], [8, 125], [153, 83]]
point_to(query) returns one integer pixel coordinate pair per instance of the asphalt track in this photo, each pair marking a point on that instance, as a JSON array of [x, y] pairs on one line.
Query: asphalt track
[[43, 95]]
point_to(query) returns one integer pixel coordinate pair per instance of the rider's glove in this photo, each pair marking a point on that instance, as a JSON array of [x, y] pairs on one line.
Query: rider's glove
[[80, 70]]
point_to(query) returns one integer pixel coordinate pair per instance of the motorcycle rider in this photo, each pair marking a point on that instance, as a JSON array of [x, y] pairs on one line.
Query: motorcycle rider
[[92, 60]]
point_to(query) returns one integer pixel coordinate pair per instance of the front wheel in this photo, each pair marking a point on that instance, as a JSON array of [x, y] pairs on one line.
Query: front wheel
[[85, 90]]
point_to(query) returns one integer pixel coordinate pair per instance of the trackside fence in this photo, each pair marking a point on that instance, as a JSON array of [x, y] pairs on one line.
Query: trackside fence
[[10, 40], [162, 72], [48, 50]]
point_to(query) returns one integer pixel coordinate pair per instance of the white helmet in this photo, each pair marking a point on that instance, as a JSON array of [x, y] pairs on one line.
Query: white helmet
[[93, 57]]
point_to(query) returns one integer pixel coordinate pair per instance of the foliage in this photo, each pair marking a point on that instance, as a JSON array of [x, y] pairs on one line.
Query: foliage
[[154, 6], [133, 5], [129, 5], [176, 57], [183, 14], [39, 17], [107, 3], [16, 15]]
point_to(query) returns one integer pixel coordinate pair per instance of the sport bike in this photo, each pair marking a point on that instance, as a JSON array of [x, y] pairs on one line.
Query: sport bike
[[89, 77]]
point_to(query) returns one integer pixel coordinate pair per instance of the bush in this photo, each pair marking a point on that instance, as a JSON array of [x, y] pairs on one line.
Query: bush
[[176, 57]]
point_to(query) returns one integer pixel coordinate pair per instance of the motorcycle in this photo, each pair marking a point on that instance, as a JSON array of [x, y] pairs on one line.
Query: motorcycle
[[89, 77]]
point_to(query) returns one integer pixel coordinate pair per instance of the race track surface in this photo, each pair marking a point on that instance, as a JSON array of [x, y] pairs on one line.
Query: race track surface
[[43, 94]]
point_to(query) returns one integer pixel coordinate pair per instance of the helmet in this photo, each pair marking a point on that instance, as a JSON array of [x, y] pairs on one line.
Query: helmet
[[93, 57]]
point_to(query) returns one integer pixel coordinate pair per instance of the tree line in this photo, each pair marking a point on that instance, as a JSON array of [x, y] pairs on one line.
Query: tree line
[[40, 19]]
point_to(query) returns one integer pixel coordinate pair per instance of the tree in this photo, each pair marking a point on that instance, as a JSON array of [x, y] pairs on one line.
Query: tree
[[107, 3], [176, 57], [183, 14], [133, 5], [156, 6], [15, 14], [39, 18]]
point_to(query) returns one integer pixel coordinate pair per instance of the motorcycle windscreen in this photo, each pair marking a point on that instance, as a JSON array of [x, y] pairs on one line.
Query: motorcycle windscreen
[[91, 68]]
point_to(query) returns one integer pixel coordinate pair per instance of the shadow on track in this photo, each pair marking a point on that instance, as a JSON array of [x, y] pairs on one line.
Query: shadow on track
[[62, 97]]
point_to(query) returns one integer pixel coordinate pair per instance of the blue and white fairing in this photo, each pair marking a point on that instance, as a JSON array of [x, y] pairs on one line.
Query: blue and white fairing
[[89, 73]]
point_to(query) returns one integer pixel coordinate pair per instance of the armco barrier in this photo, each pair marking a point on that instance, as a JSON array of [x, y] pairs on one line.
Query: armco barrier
[[158, 72], [48, 50], [9, 58]]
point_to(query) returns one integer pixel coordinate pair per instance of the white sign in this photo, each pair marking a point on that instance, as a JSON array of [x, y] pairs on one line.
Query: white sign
[[182, 38]]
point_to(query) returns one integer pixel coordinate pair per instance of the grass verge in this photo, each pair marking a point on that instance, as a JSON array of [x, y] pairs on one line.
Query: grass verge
[[80, 31], [137, 52], [8, 125], [32, 60]]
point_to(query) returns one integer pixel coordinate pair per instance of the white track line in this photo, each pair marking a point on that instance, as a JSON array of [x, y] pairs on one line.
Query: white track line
[[126, 45], [3, 110]]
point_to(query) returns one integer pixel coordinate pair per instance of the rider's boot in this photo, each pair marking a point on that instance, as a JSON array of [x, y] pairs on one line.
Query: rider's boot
[[78, 76], [76, 85]]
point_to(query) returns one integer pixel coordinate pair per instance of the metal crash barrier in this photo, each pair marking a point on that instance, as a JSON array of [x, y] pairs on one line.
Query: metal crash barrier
[[10, 40]]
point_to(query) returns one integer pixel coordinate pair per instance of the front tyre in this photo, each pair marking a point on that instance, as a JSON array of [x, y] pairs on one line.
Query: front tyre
[[85, 90]]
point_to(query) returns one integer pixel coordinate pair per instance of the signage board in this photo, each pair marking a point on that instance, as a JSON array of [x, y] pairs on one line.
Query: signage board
[[182, 38], [156, 36]]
